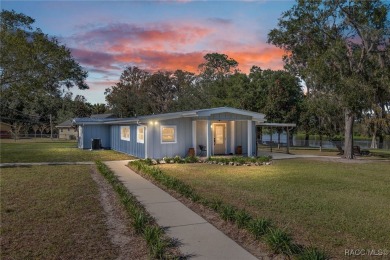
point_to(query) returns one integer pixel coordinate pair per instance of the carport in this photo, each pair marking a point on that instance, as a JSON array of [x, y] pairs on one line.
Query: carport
[[271, 126]]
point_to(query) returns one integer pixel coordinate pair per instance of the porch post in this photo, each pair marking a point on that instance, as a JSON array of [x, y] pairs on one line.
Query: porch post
[[249, 138], [194, 136], [208, 132]]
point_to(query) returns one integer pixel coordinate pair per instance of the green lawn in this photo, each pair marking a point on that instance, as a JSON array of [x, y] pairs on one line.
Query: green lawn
[[36, 151], [52, 212], [330, 205]]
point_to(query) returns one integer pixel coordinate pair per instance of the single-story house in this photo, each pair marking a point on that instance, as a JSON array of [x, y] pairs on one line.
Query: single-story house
[[221, 130], [66, 130]]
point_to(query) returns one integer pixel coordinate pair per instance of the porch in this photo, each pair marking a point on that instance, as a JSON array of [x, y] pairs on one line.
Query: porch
[[224, 137]]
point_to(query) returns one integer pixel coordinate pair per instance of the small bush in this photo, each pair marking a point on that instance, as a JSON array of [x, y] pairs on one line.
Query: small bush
[[148, 161], [191, 159], [312, 253], [242, 218], [259, 227], [152, 234], [140, 221], [228, 213], [280, 242], [157, 249], [215, 204]]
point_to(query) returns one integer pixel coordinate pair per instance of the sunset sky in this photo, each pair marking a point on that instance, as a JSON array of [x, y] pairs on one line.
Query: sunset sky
[[107, 36]]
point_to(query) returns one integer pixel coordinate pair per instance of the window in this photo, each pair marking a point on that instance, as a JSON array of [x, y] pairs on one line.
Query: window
[[140, 134], [125, 133], [168, 134]]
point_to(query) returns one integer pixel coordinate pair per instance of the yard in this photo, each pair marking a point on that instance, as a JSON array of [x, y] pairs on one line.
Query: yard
[[55, 151], [52, 212], [331, 205]]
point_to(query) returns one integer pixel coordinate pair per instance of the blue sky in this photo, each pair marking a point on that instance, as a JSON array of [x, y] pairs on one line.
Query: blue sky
[[107, 36]]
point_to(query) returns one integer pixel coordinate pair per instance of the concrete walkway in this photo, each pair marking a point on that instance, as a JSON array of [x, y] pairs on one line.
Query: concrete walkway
[[198, 238]]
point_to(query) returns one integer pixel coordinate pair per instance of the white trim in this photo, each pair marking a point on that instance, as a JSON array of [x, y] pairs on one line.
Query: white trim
[[139, 141], [146, 141], [175, 134], [249, 138], [120, 132], [194, 136], [208, 138]]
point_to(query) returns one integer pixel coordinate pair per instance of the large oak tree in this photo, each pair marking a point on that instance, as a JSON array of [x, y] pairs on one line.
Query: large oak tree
[[342, 46]]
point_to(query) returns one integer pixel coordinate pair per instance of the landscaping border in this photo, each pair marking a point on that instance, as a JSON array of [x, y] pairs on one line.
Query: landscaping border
[[160, 246], [278, 240]]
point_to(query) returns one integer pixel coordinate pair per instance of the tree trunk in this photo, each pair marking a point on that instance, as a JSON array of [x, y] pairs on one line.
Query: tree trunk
[[278, 139], [307, 139], [348, 135], [381, 140], [320, 142], [373, 140]]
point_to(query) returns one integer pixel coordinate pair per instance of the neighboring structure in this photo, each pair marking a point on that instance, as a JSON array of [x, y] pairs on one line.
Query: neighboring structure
[[66, 130], [222, 130]]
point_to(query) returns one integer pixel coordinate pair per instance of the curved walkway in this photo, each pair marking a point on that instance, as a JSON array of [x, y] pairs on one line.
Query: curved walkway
[[198, 238]]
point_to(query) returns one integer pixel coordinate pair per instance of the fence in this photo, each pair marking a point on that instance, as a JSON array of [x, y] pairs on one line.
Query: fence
[[327, 144]]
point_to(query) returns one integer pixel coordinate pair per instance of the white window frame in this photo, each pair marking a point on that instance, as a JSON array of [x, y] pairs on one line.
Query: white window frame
[[125, 138], [141, 141], [161, 134]]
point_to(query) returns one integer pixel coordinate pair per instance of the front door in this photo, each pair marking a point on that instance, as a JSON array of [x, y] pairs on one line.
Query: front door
[[219, 139]]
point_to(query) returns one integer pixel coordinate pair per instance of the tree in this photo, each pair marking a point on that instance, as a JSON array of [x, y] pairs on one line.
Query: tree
[[42, 128], [343, 45], [99, 108], [35, 129], [188, 94], [126, 98], [34, 68], [214, 74]]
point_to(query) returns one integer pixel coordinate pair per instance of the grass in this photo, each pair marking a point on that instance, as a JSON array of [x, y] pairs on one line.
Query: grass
[[28, 151], [323, 204], [52, 212]]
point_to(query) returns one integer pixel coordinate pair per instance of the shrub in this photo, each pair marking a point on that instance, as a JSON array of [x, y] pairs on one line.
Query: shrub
[[227, 213], [152, 234], [242, 218], [312, 253], [140, 221], [215, 204], [191, 159], [157, 249], [259, 227], [280, 242], [148, 161]]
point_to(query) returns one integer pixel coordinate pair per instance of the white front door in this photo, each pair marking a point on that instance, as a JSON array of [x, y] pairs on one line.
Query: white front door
[[219, 138]]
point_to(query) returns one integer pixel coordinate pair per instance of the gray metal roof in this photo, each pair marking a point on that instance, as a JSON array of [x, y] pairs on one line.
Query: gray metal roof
[[192, 113]]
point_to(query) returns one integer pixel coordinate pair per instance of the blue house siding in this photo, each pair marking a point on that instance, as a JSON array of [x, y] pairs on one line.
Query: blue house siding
[[129, 147], [201, 137], [95, 132], [156, 149], [241, 135]]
